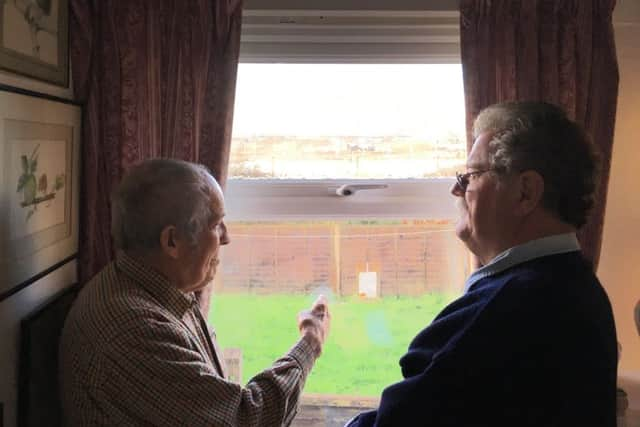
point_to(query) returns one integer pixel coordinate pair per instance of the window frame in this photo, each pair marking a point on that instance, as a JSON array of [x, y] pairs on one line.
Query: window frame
[[344, 36], [283, 199]]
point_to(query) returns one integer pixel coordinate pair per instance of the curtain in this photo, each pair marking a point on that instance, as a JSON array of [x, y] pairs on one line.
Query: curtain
[[157, 79], [558, 51]]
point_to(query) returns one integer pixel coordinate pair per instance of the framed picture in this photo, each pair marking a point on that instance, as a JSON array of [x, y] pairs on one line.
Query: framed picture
[[34, 39], [39, 172]]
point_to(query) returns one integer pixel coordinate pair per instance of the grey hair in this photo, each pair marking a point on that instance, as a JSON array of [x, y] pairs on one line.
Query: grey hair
[[157, 193], [539, 136]]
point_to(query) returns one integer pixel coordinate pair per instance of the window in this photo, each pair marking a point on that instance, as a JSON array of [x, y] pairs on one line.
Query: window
[[332, 121], [390, 134]]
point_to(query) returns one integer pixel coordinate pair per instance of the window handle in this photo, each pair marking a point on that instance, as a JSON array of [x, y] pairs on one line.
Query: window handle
[[350, 189]]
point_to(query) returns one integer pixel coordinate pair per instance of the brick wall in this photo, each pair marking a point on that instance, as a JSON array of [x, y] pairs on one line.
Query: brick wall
[[410, 257]]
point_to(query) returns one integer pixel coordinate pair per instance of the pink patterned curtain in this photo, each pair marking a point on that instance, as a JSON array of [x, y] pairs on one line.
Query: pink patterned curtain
[[559, 51], [157, 79]]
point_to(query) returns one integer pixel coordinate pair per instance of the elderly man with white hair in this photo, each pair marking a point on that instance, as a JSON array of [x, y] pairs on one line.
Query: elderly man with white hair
[[135, 348]]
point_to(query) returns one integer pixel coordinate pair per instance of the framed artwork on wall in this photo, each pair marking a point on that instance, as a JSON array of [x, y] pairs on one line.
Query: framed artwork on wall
[[34, 39], [39, 173]]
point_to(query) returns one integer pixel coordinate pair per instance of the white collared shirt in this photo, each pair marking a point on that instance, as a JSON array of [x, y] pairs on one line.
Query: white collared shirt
[[551, 245]]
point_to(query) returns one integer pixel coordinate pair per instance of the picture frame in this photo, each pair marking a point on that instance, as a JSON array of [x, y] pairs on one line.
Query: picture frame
[[34, 39], [39, 183]]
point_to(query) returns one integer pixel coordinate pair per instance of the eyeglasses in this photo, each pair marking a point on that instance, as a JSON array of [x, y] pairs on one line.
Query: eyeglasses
[[463, 178]]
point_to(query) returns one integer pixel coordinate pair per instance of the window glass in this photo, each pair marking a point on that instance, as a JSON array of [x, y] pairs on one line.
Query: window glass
[[387, 259], [316, 121]]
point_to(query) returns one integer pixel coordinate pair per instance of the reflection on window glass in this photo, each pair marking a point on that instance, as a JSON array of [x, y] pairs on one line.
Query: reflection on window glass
[[386, 279], [313, 121]]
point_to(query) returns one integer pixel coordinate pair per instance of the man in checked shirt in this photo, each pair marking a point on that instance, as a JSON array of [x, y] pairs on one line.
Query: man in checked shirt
[[135, 349]]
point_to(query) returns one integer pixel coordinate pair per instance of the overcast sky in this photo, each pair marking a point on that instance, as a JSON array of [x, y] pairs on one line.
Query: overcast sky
[[349, 99]]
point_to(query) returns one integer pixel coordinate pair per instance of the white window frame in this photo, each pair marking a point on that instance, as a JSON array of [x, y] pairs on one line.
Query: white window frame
[[279, 199], [344, 36]]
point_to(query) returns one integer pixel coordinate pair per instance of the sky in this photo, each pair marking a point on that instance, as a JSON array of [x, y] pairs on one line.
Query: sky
[[421, 100]]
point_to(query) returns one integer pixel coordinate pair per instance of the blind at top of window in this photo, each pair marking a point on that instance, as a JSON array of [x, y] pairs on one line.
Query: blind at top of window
[[350, 36]]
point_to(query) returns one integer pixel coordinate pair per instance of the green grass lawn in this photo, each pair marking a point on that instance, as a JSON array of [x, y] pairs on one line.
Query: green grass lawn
[[361, 355]]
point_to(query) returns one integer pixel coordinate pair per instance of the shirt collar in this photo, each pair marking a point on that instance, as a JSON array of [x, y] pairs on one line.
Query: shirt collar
[[551, 245], [156, 284]]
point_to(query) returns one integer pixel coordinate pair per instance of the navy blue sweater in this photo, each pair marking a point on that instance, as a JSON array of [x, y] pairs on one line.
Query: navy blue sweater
[[534, 345]]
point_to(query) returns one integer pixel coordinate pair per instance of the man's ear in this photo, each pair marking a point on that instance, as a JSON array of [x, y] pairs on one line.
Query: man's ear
[[169, 241], [531, 191]]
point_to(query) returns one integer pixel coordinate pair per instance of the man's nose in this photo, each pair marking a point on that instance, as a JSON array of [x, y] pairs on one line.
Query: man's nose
[[456, 190], [224, 236]]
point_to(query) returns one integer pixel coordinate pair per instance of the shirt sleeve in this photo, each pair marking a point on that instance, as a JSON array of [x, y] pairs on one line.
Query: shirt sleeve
[[154, 373]]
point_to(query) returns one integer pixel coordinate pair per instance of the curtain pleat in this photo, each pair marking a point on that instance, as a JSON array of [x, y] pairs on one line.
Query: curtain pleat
[[157, 79], [558, 51]]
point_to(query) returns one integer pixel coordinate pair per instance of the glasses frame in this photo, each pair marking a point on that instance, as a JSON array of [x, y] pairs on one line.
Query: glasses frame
[[462, 179]]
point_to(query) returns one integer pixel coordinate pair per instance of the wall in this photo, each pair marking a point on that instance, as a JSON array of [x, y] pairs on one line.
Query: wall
[[21, 304], [619, 268]]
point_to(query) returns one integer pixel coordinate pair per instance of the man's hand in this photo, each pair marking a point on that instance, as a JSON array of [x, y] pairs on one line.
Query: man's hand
[[316, 321]]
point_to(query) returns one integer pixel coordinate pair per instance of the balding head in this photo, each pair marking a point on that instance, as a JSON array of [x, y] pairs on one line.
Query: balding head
[[163, 192]]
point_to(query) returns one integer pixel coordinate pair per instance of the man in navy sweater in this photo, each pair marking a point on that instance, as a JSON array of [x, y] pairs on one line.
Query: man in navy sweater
[[532, 341]]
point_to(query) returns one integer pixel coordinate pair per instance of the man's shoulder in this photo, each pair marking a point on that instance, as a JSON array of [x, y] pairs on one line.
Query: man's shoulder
[[560, 283], [109, 304], [555, 270]]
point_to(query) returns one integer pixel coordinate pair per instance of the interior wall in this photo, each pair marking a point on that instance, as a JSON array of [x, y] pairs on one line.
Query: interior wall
[[619, 268], [20, 305], [12, 311]]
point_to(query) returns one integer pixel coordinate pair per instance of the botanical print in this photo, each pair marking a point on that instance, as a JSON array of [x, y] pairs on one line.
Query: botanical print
[[38, 171], [39, 164], [27, 184], [30, 27]]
